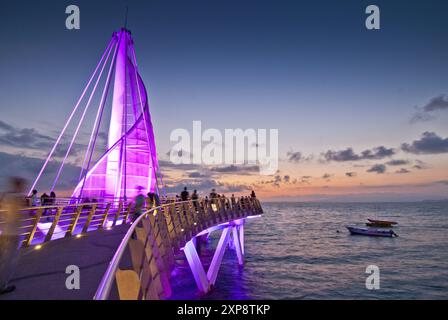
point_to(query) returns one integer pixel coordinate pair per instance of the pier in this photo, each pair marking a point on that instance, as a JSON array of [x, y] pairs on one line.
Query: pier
[[121, 259]]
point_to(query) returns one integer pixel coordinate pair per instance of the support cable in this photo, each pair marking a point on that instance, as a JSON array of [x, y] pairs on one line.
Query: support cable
[[102, 104], [68, 121], [80, 122]]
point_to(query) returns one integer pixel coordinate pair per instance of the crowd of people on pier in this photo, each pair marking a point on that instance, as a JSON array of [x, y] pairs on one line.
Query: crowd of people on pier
[[212, 198], [185, 196]]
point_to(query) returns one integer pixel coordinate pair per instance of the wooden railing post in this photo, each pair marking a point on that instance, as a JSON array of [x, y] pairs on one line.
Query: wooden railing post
[[201, 215], [189, 217], [117, 214], [89, 218], [128, 212], [54, 224], [104, 219], [183, 223], [71, 228], [33, 230], [171, 227]]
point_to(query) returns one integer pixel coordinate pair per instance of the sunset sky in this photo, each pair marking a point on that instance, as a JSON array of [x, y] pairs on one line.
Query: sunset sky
[[362, 115]]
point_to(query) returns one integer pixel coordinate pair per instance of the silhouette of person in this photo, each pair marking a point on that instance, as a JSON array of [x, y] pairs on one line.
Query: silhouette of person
[[151, 199], [139, 201], [195, 195], [213, 196], [184, 195], [52, 199], [195, 198], [34, 198], [9, 238], [44, 202]]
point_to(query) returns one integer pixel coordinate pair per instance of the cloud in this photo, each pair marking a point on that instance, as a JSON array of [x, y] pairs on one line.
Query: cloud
[[378, 168], [351, 174], [348, 154], [294, 156], [23, 138], [166, 164], [278, 180], [27, 167], [327, 176], [6, 127], [297, 157], [435, 104], [403, 171], [30, 138], [397, 162], [429, 143], [420, 165], [196, 174], [444, 182], [235, 169]]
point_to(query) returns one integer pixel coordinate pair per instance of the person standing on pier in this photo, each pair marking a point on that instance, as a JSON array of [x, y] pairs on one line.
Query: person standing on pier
[[52, 199], [150, 200], [33, 198], [139, 202], [44, 202], [195, 198], [184, 195], [233, 201], [213, 197], [9, 238]]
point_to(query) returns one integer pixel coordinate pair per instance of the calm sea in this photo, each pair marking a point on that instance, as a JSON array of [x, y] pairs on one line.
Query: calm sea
[[304, 251]]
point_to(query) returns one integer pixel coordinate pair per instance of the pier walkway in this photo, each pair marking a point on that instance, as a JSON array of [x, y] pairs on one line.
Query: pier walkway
[[41, 273], [120, 260]]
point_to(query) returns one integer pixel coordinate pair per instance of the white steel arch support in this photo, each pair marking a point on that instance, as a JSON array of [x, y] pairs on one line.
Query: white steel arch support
[[206, 280], [237, 245]]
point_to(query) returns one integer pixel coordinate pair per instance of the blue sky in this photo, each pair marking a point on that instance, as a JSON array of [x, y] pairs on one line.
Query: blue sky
[[309, 69]]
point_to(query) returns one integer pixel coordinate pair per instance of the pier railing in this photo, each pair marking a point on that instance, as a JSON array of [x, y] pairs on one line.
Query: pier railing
[[160, 234], [41, 224]]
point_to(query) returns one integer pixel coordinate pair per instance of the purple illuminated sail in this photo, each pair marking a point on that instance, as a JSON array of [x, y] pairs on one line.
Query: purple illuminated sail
[[129, 166]]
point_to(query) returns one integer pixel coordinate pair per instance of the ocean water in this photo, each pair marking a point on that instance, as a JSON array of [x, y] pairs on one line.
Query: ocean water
[[304, 251]]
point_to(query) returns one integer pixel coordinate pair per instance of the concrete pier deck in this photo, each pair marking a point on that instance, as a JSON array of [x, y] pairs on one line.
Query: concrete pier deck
[[40, 274]]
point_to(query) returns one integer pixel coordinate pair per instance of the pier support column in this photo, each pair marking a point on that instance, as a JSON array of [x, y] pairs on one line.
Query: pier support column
[[241, 231], [212, 273], [230, 234], [196, 267], [237, 244]]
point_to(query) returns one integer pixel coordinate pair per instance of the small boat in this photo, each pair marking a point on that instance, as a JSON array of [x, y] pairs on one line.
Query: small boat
[[381, 223], [372, 232]]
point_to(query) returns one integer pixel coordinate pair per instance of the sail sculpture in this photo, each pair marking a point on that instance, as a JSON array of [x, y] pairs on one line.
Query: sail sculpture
[[129, 165]]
